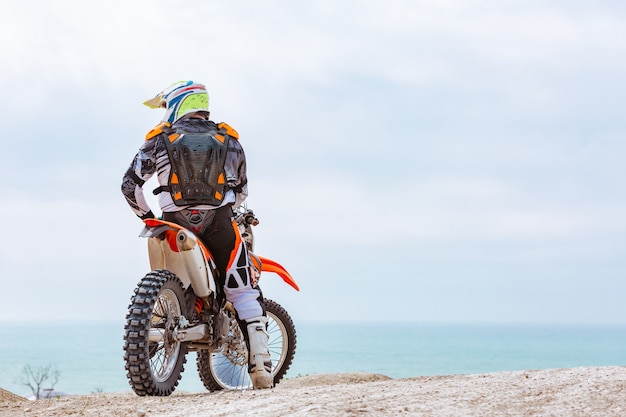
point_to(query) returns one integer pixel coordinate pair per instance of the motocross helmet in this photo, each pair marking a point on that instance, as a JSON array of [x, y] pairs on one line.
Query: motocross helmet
[[180, 99]]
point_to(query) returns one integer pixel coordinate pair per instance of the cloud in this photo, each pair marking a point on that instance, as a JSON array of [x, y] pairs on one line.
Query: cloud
[[462, 135], [442, 209], [59, 230]]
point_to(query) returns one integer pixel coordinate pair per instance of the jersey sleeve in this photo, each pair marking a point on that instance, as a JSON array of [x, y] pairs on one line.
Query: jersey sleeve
[[141, 169], [236, 171]]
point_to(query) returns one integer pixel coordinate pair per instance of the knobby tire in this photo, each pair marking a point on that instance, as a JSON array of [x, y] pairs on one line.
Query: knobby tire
[[159, 293]]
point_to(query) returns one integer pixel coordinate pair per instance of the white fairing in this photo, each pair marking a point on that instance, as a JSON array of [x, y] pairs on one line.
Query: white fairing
[[189, 263]]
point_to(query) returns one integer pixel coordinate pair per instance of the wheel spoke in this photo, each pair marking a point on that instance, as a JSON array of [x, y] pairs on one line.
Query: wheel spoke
[[228, 368]]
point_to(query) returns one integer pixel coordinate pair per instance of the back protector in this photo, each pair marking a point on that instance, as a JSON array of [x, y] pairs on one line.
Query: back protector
[[197, 173]]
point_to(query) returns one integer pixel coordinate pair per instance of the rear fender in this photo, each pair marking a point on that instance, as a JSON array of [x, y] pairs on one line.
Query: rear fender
[[273, 266]]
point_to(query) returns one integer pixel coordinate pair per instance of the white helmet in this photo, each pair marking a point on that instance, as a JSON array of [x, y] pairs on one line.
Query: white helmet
[[179, 99]]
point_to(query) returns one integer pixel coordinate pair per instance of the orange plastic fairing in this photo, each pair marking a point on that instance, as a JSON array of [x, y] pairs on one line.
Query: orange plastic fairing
[[272, 266]]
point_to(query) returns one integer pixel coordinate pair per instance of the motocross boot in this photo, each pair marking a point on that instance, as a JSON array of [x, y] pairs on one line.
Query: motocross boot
[[259, 362]]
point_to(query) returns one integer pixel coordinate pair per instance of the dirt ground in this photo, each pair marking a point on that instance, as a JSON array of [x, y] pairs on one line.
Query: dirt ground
[[588, 392]]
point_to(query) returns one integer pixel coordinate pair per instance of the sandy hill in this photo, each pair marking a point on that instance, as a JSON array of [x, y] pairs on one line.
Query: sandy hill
[[8, 396], [576, 392]]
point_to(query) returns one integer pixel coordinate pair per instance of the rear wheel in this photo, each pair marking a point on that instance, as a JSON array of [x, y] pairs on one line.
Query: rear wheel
[[227, 368], [154, 358]]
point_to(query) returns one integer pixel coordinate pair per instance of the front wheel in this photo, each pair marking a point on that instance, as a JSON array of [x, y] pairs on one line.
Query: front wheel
[[228, 367], [154, 358]]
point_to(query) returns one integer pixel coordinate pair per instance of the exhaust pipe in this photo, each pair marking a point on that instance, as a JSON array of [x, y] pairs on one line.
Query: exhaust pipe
[[185, 240], [194, 262]]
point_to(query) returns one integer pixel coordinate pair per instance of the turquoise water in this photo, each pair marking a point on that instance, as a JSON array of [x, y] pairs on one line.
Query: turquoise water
[[89, 357]]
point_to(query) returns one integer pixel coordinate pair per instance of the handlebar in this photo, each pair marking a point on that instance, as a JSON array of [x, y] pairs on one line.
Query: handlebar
[[246, 216], [251, 219]]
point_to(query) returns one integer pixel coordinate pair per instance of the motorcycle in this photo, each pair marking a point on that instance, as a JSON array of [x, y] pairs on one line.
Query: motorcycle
[[178, 308]]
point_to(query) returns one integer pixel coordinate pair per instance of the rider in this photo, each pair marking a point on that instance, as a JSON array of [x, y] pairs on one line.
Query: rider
[[201, 169]]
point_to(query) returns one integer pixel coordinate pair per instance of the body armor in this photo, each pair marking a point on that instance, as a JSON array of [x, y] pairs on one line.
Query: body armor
[[197, 160]]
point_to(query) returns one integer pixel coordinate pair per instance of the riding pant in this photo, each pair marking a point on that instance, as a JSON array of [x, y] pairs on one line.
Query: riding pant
[[219, 232]]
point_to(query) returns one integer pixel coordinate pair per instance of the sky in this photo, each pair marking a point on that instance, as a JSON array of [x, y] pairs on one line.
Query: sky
[[422, 161]]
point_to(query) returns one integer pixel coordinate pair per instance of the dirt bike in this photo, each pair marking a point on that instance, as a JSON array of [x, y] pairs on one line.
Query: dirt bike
[[178, 307]]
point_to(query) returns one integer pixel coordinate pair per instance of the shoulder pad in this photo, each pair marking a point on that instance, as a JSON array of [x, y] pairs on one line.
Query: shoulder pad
[[229, 130], [157, 130]]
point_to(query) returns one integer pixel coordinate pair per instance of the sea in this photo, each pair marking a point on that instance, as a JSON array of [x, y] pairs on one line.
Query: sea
[[89, 356]]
